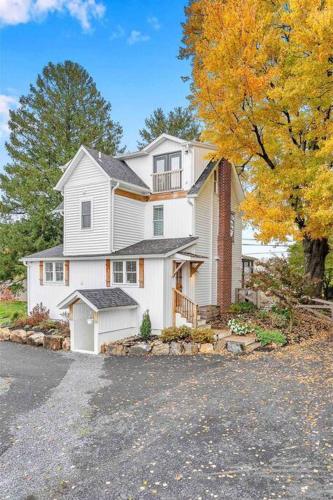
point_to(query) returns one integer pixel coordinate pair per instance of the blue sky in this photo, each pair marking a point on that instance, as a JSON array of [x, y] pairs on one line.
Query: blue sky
[[129, 47]]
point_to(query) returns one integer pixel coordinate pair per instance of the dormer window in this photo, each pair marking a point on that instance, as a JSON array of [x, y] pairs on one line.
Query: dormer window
[[167, 172], [86, 214]]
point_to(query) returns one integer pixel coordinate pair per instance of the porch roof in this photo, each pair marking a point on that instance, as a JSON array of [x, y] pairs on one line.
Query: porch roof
[[100, 298], [191, 257]]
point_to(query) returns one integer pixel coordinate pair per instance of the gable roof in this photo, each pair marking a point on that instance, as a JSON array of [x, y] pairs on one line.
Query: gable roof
[[162, 138], [115, 168], [157, 247], [202, 178], [100, 298]]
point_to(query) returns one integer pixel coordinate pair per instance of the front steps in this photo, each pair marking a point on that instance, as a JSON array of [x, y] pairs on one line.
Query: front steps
[[236, 344], [182, 321]]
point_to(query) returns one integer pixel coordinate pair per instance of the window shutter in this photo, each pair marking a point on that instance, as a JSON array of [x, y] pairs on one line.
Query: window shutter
[[107, 273], [66, 272], [141, 273], [41, 272]]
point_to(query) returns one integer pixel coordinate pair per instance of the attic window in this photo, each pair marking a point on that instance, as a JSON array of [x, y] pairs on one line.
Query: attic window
[[86, 214]]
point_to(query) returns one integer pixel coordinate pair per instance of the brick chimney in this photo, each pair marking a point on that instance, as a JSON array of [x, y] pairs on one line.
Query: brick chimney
[[224, 242]]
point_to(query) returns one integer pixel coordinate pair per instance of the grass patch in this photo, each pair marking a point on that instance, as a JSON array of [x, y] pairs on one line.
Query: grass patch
[[8, 309]]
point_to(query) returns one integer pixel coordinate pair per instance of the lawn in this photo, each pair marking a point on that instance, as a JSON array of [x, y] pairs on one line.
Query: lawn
[[8, 308]]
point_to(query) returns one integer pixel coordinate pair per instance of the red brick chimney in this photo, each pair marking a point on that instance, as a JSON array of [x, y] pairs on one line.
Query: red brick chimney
[[224, 242]]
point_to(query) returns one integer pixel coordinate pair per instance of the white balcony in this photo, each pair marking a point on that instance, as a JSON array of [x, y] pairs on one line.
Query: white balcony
[[170, 180]]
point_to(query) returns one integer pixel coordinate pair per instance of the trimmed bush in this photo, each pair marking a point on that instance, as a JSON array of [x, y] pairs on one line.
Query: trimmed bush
[[202, 335], [145, 328], [266, 337], [39, 314], [175, 333], [242, 307]]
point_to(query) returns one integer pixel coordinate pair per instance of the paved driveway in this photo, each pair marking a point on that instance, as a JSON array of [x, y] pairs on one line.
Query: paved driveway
[[86, 427]]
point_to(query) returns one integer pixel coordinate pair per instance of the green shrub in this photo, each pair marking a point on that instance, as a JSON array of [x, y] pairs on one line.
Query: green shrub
[[242, 307], [175, 333], [145, 328], [266, 337], [281, 311], [239, 327], [278, 320], [202, 335], [262, 314]]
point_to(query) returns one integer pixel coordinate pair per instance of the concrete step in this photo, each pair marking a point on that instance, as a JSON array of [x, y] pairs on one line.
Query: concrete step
[[239, 344]]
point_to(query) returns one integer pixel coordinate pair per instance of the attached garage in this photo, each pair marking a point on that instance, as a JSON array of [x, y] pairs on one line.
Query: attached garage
[[99, 315]]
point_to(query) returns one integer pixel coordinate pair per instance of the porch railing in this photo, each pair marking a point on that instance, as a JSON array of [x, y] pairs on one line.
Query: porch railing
[[167, 181], [185, 307]]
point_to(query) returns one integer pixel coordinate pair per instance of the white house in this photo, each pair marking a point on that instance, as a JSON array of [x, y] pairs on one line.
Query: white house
[[158, 229]]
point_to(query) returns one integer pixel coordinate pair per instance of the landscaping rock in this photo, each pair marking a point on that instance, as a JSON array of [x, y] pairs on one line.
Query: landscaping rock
[[117, 350], [53, 342], [19, 336], [221, 334], [234, 347], [220, 345], [176, 348], [66, 344], [207, 349], [36, 338], [160, 348], [190, 348], [140, 349], [4, 334]]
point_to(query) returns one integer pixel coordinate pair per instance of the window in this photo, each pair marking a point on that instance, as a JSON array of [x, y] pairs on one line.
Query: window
[[167, 172], [125, 273], [118, 272], [86, 214], [232, 226], [167, 162], [158, 220], [54, 272]]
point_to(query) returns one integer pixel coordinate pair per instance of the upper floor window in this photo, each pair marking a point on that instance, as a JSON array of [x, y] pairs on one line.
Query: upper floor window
[[125, 272], [167, 172], [158, 220], [54, 272], [86, 214]]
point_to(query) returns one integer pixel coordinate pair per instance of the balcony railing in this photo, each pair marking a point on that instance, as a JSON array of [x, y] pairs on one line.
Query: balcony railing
[[167, 181]]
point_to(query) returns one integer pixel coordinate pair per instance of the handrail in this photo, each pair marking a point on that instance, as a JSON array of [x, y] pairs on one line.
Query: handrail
[[170, 180], [184, 306]]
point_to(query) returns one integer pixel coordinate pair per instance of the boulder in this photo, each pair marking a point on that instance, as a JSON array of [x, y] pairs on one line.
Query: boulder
[[206, 349], [4, 334], [36, 338], [190, 348], [66, 344], [220, 345], [139, 349], [53, 342], [19, 336], [221, 334], [160, 348], [117, 350], [176, 348]]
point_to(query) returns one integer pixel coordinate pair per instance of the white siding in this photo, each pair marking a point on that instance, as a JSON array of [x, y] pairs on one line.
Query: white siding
[[128, 221], [116, 324], [86, 173], [177, 218]]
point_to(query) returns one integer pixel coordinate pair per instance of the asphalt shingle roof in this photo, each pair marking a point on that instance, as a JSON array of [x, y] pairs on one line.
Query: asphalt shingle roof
[[105, 298], [161, 246], [117, 169], [156, 246], [202, 178]]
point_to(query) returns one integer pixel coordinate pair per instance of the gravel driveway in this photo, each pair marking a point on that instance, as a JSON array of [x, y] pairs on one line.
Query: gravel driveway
[[87, 427]]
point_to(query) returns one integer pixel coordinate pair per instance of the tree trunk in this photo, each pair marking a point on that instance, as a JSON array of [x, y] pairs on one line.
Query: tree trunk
[[315, 253]]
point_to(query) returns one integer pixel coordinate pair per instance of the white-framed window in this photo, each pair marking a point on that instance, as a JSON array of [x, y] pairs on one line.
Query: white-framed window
[[54, 272], [125, 272], [86, 214], [158, 220], [232, 225]]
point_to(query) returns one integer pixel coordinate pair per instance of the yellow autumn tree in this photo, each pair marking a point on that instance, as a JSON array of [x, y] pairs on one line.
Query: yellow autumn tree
[[262, 74]]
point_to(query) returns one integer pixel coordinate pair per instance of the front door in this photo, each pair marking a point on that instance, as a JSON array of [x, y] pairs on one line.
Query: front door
[[83, 328]]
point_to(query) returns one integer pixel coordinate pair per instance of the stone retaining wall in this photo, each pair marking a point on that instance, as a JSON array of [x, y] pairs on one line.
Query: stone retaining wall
[[35, 338], [134, 347]]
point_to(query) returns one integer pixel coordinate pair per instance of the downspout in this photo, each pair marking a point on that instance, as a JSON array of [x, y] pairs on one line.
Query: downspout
[[113, 189]]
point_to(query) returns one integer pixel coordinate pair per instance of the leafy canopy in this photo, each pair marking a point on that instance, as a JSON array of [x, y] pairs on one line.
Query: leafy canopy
[[263, 85], [179, 122], [61, 111]]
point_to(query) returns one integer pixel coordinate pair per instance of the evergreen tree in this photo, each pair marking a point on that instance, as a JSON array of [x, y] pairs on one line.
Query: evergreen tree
[[62, 110], [179, 122]]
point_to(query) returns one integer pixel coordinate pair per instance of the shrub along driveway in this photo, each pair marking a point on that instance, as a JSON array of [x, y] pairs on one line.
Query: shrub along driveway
[[86, 427]]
